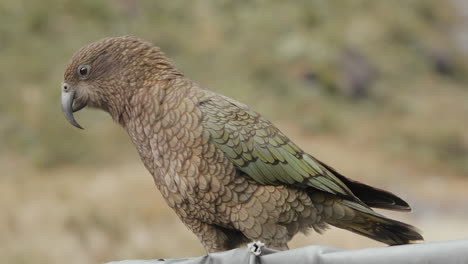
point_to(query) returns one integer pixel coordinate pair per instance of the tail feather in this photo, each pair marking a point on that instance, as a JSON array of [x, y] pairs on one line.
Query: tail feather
[[375, 226], [371, 196], [375, 197]]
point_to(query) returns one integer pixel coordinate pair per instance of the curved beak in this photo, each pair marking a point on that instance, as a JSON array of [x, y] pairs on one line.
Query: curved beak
[[68, 108]]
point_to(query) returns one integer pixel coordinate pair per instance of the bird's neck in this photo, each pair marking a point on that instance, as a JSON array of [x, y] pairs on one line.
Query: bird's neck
[[145, 91], [156, 119]]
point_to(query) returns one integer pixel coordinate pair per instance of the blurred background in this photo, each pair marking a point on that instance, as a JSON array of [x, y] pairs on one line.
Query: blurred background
[[376, 89]]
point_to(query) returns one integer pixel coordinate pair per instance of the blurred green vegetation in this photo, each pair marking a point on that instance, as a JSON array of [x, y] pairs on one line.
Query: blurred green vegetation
[[388, 72]]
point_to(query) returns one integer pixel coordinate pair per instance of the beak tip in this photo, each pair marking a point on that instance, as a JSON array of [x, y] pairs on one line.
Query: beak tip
[[78, 126], [74, 123]]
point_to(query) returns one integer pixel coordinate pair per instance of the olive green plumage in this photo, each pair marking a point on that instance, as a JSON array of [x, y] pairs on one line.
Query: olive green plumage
[[261, 151], [229, 174]]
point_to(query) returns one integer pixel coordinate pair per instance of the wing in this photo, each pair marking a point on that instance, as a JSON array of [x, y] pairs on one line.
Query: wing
[[262, 152]]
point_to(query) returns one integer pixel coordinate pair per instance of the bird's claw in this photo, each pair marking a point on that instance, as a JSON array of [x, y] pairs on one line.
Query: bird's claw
[[256, 247]]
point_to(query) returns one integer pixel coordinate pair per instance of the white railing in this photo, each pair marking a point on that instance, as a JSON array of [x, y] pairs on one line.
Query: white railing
[[448, 252]]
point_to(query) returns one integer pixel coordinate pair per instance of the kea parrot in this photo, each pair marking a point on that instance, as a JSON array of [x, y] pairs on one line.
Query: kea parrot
[[229, 174]]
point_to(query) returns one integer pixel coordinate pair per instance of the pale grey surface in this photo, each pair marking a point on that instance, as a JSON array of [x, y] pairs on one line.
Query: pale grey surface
[[436, 252]]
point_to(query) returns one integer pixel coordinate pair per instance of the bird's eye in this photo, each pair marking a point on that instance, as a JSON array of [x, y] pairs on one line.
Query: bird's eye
[[83, 71]]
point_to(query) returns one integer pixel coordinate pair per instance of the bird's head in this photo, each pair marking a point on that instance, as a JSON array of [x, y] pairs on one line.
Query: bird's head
[[106, 73]]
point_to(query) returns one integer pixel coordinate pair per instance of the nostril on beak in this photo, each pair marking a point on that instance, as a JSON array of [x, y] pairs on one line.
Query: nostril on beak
[[65, 87]]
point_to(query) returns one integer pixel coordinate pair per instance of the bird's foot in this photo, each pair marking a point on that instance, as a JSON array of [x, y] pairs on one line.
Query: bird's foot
[[256, 247]]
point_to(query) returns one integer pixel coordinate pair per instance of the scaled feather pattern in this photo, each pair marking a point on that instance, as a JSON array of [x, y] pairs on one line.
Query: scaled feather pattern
[[229, 174]]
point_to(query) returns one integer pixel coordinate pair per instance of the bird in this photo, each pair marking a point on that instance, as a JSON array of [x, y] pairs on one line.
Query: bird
[[230, 175]]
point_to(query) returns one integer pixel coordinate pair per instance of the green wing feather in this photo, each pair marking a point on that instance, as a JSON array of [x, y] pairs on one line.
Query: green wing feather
[[261, 151]]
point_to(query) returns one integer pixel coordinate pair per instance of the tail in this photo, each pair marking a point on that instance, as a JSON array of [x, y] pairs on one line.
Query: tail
[[371, 196], [368, 223], [375, 197]]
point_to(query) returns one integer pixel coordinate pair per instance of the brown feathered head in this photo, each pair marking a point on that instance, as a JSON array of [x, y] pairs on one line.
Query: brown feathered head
[[105, 74]]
